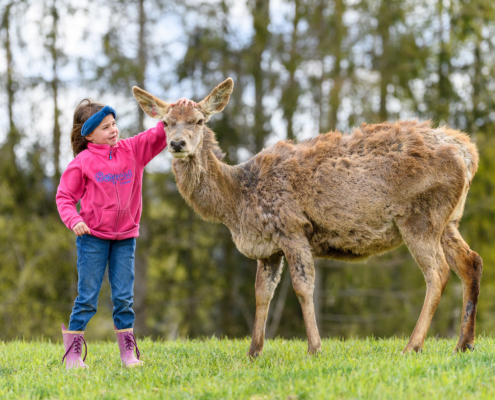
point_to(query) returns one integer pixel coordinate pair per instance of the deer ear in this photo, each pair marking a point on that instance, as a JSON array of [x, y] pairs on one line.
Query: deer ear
[[217, 99], [150, 104]]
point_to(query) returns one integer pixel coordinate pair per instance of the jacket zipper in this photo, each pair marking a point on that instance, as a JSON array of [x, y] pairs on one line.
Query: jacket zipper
[[117, 194]]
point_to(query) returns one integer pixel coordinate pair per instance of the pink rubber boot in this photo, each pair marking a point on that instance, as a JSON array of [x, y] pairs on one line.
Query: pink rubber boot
[[73, 341], [127, 343]]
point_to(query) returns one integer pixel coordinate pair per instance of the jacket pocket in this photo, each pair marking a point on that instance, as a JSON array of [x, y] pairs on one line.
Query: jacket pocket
[[107, 222], [127, 222]]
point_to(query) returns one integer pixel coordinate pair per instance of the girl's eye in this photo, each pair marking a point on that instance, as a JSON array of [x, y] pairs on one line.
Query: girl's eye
[[200, 122]]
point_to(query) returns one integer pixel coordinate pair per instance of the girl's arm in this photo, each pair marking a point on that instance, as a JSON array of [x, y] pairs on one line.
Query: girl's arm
[[69, 192], [147, 145]]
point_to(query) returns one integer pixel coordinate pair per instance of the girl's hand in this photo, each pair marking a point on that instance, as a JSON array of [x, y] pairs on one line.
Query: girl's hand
[[184, 102], [80, 229]]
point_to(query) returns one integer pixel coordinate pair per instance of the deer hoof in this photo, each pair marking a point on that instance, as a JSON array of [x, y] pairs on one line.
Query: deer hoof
[[253, 355], [462, 349], [315, 352], [408, 349]]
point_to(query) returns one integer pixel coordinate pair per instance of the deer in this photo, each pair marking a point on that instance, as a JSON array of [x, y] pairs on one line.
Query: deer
[[336, 196]]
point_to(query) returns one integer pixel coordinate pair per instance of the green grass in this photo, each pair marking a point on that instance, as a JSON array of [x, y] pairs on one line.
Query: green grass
[[219, 369]]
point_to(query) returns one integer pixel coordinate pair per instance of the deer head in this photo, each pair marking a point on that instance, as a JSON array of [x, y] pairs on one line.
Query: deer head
[[185, 125]]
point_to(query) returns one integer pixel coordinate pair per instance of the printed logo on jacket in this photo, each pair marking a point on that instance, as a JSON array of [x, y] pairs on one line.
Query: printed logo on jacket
[[124, 177]]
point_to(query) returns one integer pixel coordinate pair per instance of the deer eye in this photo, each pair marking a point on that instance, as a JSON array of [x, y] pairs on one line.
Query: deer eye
[[200, 122]]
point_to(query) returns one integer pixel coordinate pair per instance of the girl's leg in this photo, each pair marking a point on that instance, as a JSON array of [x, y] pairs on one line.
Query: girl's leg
[[92, 259], [121, 276]]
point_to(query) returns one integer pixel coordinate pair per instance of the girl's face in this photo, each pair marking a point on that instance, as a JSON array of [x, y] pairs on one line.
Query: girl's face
[[105, 133]]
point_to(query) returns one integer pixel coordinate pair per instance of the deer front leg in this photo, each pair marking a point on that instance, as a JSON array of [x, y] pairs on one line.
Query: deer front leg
[[302, 272], [267, 279]]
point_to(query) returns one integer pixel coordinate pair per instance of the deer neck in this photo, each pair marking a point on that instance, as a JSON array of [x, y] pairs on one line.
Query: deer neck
[[208, 185]]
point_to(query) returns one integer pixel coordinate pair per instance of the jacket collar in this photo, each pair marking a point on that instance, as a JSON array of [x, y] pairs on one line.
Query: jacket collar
[[103, 149]]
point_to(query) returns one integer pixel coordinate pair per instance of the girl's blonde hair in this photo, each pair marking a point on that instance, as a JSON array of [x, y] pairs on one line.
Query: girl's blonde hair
[[85, 109]]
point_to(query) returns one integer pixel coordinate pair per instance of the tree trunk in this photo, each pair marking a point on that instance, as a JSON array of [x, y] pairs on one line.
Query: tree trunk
[[334, 98], [477, 87], [228, 326], [192, 298], [261, 18], [384, 20], [444, 87], [55, 87], [276, 315], [142, 60], [290, 94], [10, 171], [141, 284]]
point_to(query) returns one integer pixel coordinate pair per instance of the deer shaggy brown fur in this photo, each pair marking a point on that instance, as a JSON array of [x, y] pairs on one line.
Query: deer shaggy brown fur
[[344, 197]]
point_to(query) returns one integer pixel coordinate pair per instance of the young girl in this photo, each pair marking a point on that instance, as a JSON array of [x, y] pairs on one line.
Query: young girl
[[106, 176]]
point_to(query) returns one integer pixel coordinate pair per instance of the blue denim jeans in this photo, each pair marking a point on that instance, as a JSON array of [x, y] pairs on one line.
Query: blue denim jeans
[[93, 255]]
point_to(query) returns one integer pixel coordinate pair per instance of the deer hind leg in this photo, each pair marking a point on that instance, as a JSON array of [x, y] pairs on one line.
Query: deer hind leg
[[267, 279], [428, 253], [302, 272], [468, 266]]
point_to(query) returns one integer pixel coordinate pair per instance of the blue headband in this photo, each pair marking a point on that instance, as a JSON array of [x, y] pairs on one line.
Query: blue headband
[[95, 120]]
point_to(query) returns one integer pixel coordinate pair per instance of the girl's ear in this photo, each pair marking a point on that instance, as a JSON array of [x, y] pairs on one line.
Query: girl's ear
[[150, 104], [89, 137]]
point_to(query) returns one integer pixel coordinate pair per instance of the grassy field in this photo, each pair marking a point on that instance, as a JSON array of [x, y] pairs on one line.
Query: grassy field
[[219, 369]]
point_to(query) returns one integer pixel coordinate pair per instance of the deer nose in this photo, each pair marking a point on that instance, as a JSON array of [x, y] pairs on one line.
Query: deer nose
[[177, 146]]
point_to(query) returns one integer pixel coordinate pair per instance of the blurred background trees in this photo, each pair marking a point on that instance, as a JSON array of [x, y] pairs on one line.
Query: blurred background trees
[[300, 67]]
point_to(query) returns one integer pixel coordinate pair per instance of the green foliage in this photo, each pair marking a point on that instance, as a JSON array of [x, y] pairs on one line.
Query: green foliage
[[219, 369]]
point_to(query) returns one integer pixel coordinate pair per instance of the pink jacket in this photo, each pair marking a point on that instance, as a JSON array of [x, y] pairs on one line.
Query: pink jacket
[[107, 180]]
